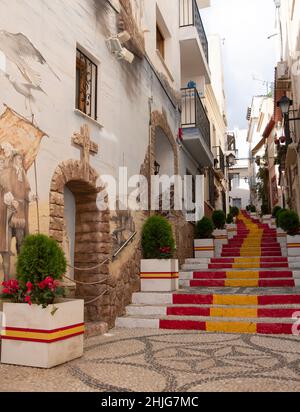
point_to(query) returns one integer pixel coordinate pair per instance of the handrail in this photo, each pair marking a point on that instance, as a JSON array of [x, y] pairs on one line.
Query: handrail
[[194, 114], [99, 265]]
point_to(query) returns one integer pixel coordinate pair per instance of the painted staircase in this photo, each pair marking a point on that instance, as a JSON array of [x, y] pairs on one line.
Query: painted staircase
[[251, 288]]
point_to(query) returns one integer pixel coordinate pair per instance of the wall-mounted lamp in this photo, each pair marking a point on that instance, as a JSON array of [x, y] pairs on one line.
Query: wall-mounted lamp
[[231, 160]]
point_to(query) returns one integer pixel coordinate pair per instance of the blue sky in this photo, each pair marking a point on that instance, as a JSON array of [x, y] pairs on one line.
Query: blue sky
[[245, 26]]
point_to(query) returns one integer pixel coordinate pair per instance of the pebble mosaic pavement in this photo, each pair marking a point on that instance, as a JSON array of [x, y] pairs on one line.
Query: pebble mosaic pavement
[[169, 361]]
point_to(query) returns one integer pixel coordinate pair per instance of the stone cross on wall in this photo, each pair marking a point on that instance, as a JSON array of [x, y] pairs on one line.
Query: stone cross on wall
[[83, 140]]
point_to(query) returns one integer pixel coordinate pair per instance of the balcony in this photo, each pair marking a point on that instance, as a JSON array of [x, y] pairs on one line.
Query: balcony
[[196, 127], [193, 42], [219, 162]]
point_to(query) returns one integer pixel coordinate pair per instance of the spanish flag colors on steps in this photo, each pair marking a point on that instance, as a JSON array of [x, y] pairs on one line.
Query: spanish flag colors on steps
[[249, 289]]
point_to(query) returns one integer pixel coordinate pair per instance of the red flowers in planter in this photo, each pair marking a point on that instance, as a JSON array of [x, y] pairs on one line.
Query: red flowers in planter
[[49, 283], [42, 293], [165, 252]]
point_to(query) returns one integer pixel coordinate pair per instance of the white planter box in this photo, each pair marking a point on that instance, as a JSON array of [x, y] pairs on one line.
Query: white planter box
[[267, 219], [33, 336], [293, 245], [159, 275], [204, 248], [220, 236], [281, 237], [231, 230], [253, 215]]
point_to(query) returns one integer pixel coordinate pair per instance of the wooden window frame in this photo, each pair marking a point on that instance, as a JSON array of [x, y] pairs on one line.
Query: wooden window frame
[[86, 85]]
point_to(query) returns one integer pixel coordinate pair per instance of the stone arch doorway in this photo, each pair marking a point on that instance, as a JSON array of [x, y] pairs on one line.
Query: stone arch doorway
[[92, 240], [162, 133], [163, 151]]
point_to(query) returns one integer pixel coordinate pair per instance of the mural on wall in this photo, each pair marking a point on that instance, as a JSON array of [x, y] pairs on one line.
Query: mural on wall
[[124, 227], [19, 145], [22, 54]]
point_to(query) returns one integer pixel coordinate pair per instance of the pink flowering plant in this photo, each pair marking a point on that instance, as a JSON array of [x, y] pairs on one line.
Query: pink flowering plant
[[40, 267]]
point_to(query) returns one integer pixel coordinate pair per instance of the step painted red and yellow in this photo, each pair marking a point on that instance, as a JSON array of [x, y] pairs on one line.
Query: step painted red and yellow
[[228, 327], [252, 239]]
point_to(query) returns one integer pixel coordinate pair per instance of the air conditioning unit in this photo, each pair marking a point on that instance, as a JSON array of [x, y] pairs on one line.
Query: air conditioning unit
[[282, 71]]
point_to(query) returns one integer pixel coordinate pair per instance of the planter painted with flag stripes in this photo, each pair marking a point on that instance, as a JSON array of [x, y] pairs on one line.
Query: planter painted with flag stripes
[[293, 245], [204, 248], [43, 338], [159, 275]]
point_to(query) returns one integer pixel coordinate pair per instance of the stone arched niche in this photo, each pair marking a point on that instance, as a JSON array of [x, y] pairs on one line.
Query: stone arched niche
[[160, 126], [92, 229]]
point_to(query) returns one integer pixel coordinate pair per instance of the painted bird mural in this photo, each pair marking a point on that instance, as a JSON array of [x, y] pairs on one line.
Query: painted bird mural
[[19, 50]]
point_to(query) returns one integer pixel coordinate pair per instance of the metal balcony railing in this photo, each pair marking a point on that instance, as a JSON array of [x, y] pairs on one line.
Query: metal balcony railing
[[190, 16], [194, 114], [219, 159]]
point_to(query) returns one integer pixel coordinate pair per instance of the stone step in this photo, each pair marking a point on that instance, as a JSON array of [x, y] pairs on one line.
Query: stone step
[[216, 297], [210, 324], [239, 274]]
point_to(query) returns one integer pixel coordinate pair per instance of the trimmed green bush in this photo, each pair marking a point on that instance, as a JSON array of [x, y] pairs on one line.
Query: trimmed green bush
[[278, 214], [219, 219], [204, 228], [289, 222], [229, 219], [265, 210], [234, 211], [275, 210], [40, 257], [248, 208], [157, 238], [252, 209]]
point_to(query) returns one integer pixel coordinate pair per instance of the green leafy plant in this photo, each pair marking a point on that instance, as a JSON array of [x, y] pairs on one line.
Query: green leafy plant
[[234, 211], [229, 219], [157, 238], [289, 222], [204, 228], [278, 214], [248, 208], [40, 268], [219, 219], [252, 209], [275, 210]]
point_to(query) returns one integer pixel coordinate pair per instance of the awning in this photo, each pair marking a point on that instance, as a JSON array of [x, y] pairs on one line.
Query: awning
[[269, 128], [258, 146]]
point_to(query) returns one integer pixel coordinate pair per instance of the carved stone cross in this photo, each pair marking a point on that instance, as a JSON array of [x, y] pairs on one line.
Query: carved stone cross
[[83, 140]]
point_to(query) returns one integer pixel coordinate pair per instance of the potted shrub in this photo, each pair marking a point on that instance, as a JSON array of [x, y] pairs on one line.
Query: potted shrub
[[252, 209], [276, 210], [40, 328], [230, 226], [204, 242], [234, 211], [159, 271], [281, 234], [289, 222], [220, 233]]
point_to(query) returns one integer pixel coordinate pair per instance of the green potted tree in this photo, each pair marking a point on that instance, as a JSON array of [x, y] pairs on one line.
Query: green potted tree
[[275, 210], [231, 227], [159, 269], [234, 211], [220, 233], [204, 243], [289, 222], [281, 234], [40, 327]]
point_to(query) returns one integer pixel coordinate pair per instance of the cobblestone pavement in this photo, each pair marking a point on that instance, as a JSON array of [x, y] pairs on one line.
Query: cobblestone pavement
[[159, 360]]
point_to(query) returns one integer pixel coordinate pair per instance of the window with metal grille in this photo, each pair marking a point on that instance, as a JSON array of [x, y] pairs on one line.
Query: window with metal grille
[[86, 85]]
